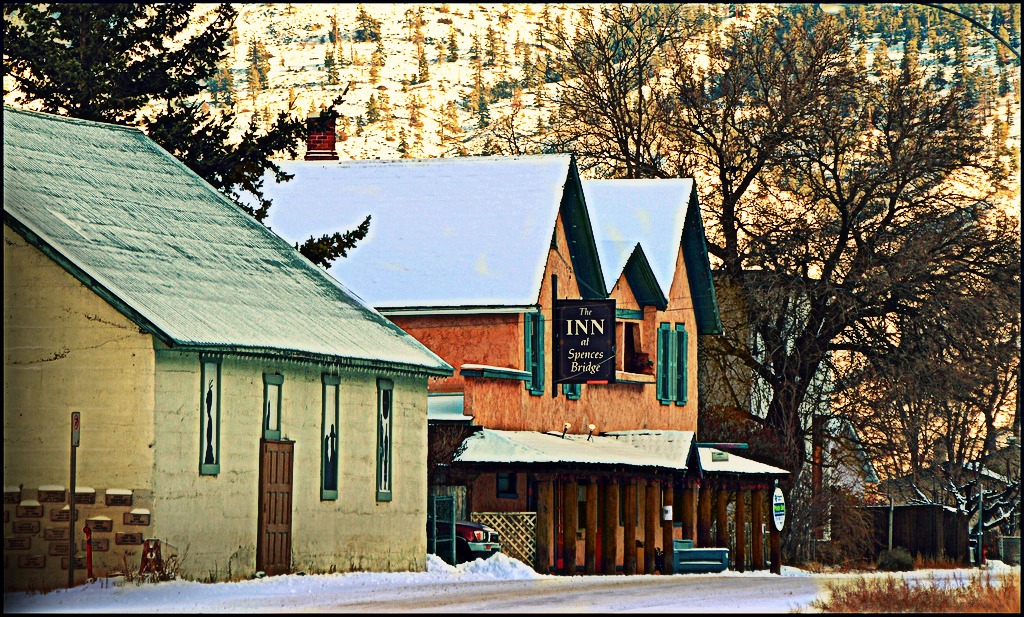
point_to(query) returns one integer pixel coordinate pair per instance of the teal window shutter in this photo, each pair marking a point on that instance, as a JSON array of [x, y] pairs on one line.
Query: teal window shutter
[[534, 345], [682, 389], [666, 364]]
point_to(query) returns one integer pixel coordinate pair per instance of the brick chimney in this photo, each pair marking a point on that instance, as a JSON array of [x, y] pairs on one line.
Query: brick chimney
[[320, 139]]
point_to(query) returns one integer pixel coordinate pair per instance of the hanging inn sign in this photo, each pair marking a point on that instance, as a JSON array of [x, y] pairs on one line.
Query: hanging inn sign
[[584, 341]]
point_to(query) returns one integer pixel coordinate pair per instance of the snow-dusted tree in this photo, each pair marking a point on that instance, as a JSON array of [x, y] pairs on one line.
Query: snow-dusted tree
[[367, 27]]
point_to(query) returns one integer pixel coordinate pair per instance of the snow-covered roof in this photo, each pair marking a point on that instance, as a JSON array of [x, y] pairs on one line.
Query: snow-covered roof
[[670, 445], [164, 247], [444, 232], [732, 463], [651, 212], [447, 407], [661, 216], [496, 446]]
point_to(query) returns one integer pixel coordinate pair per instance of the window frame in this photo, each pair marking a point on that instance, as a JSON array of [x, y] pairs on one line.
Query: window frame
[[512, 485], [212, 419], [330, 383], [272, 383], [572, 391], [385, 451]]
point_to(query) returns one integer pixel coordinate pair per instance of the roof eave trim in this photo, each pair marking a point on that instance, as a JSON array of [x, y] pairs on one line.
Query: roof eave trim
[[316, 358], [403, 311], [642, 280]]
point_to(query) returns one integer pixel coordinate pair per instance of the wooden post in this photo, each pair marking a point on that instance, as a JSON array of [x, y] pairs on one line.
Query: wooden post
[[570, 523], [721, 518], [741, 530], [590, 559], [629, 531], [756, 530], [610, 527], [667, 531], [704, 517], [775, 546], [690, 514], [545, 523], [652, 511]]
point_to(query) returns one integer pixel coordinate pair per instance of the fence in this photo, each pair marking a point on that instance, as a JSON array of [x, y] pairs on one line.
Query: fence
[[518, 533], [441, 527]]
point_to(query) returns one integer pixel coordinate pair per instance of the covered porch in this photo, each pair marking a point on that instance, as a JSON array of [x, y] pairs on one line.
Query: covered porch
[[611, 503]]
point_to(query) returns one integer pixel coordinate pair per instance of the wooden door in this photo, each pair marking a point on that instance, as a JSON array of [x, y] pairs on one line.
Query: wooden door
[[274, 542]]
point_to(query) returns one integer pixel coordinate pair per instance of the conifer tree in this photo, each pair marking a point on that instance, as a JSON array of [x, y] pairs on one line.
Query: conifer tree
[[422, 64], [331, 66], [453, 44], [367, 28]]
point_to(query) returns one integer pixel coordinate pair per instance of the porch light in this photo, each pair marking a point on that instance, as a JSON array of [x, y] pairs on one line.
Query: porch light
[[565, 428], [590, 436]]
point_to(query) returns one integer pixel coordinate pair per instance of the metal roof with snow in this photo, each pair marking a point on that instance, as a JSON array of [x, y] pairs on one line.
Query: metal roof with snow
[[446, 232], [165, 248], [660, 216], [524, 447]]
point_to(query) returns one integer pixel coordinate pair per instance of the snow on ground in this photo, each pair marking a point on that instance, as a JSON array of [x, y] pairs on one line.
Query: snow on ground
[[499, 584]]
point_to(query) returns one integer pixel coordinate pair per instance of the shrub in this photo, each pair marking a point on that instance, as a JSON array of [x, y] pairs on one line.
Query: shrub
[[890, 594], [898, 559]]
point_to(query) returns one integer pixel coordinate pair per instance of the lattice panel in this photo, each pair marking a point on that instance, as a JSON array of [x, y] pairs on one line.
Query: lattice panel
[[518, 532]]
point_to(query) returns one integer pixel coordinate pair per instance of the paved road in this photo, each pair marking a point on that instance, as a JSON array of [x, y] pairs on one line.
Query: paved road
[[726, 594]]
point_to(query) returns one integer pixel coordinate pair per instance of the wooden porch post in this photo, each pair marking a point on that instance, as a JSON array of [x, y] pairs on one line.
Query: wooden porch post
[[590, 559], [775, 544], [667, 544], [629, 533], [721, 518], [689, 513], [570, 522], [756, 531], [741, 529], [704, 516], [610, 527], [545, 523], [651, 511]]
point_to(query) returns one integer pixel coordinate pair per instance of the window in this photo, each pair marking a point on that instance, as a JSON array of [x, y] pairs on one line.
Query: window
[[209, 417], [272, 405], [533, 324], [572, 391], [682, 349], [506, 485], [329, 438], [385, 403]]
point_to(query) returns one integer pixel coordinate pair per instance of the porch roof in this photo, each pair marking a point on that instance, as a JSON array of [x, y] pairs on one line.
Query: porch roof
[[497, 446]]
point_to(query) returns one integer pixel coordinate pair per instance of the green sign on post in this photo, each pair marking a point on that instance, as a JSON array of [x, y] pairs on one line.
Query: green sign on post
[[778, 509]]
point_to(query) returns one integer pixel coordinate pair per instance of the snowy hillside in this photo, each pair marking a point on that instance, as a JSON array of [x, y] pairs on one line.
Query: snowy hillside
[[298, 38]]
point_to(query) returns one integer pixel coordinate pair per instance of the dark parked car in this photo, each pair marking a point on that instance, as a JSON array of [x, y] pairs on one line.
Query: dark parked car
[[472, 540]]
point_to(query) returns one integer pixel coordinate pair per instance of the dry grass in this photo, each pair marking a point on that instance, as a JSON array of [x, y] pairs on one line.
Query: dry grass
[[896, 595], [935, 563]]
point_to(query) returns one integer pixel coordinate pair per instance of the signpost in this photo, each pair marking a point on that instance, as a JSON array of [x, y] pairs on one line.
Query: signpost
[[778, 521], [584, 341], [76, 437]]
